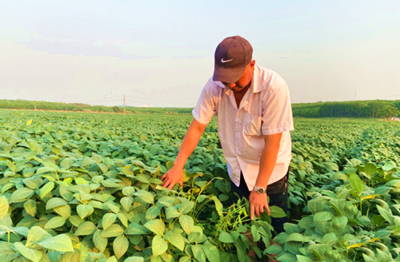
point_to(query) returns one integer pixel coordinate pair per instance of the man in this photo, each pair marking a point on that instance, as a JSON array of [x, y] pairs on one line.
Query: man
[[254, 123]]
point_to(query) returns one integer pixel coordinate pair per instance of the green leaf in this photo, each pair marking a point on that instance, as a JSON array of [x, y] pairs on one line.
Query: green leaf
[[254, 231], [196, 235], [340, 221], [145, 196], [185, 207], [123, 219], [218, 205], [303, 259], [67, 163], [134, 259], [156, 226], [108, 220], [277, 212], [29, 122], [35, 235], [112, 259], [55, 222], [99, 241], [114, 230], [211, 252], [274, 249], [64, 211], [46, 189], [297, 237], [61, 243], [382, 233], [85, 228], [370, 169], [30, 207], [198, 253], [225, 237], [3, 206], [120, 246], [126, 203], [75, 220], [172, 212], [241, 250], [65, 193], [6, 252], [6, 221], [32, 183], [386, 213], [84, 210], [329, 239], [135, 229], [166, 201], [315, 205], [21, 195], [356, 183], [332, 166], [323, 216], [128, 191], [158, 245], [32, 254], [187, 223], [175, 239], [152, 213], [55, 202]]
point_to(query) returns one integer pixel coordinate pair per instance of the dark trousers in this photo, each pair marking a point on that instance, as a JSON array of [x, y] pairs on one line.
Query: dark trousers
[[278, 196]]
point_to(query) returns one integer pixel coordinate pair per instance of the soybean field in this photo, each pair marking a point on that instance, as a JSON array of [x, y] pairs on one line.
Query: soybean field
[[86, 187]]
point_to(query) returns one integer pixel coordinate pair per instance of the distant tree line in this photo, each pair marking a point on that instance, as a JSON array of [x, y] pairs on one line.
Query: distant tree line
[[79, 107], [362, 109]]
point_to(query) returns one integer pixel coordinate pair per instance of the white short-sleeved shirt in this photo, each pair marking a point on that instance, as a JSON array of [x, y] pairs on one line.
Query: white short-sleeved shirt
[[264, 110]]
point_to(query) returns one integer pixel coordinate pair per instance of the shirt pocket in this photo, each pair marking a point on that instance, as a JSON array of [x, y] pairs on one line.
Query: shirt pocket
[[252, 125]]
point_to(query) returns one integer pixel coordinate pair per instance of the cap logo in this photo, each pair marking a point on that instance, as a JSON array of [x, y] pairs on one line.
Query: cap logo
[[226, 61]]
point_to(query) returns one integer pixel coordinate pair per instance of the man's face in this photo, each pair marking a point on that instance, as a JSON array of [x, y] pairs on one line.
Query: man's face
[[244, 80]]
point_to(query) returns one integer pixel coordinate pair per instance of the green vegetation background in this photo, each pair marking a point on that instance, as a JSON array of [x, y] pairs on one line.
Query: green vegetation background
[[359, 109]]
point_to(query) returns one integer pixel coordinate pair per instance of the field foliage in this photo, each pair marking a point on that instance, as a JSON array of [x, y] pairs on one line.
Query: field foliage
[[86, 187]]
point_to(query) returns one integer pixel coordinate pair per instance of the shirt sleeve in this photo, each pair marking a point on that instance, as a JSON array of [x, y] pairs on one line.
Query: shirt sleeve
[[206, 105], [277, 114]]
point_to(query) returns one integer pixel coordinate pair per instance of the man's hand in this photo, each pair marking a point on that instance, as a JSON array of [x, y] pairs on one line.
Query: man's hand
[[173, 176], [257, 204]]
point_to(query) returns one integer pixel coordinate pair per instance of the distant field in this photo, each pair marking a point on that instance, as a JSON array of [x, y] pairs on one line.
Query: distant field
[[86, 187]]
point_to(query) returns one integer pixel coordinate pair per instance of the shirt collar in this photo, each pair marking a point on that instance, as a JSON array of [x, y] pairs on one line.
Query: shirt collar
[[257, 83]]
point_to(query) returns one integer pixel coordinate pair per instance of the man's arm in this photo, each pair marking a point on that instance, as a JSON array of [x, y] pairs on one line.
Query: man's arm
[[189, 143], [267, 164]]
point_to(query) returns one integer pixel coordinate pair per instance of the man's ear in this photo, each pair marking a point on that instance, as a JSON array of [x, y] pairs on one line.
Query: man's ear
[[252, 64]]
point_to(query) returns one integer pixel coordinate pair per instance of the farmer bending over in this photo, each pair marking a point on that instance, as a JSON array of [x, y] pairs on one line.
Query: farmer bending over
[[254, 123]]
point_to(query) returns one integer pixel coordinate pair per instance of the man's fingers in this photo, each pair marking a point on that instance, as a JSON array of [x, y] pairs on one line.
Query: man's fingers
[[171, 185], [251, 211], [165, 184], [257, 211], [268, 210]]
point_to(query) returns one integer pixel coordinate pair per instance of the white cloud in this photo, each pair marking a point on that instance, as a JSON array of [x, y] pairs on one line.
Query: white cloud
[[22, 35]]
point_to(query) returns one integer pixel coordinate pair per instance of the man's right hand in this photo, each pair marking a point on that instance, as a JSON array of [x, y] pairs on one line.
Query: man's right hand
[[173, 176]]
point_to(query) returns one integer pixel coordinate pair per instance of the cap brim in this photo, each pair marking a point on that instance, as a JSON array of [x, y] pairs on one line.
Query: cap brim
[[227, 75]]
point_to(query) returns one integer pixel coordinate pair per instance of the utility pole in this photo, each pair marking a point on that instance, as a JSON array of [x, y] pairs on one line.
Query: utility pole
[[124, 105]]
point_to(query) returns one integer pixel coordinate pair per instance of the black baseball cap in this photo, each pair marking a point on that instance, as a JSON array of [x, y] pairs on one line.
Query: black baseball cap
[[232, 56]]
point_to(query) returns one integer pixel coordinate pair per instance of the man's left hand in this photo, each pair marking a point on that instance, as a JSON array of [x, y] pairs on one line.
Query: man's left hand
[[257, 204]]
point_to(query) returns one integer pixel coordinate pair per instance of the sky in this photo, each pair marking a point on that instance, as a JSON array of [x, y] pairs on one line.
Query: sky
[[161, 53]]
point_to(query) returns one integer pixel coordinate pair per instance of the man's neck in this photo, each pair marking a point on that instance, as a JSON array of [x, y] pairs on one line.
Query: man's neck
[[240, 94]]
